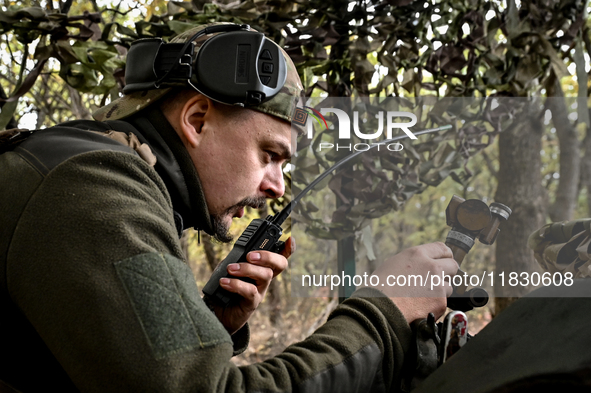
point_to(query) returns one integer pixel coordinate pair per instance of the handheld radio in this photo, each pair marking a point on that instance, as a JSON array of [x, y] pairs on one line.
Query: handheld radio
[[264, 234], [259, 235]]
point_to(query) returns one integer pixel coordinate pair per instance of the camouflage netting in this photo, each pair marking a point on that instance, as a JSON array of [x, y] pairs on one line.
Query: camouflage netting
[[564, 247]]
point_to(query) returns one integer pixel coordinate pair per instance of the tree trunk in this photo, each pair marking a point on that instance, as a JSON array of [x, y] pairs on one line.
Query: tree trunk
[[273, 300], [586, 169], [570, 157], [345, 247], [76, 105], [12, 123], [65, 6], [520, 188], [584, 113]]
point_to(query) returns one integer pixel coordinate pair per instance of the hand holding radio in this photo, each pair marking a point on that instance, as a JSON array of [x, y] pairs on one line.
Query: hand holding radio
[[249, 281]]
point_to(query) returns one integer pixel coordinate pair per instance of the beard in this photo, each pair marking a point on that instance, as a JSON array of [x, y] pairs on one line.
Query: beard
[[221, 230]]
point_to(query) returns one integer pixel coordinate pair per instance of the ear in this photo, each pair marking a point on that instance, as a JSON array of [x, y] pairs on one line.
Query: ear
[[193, 117]]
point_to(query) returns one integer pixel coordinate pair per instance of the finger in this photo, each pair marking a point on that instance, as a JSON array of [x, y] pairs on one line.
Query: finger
[[448, 289], [438, 250], [449, 266], [260, 274], [248, 291], [443, 267], [276, 262], [446, 268], [289, 247]]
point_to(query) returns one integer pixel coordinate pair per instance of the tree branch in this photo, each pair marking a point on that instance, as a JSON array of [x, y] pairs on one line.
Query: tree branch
[[489, 164], [65, 6]]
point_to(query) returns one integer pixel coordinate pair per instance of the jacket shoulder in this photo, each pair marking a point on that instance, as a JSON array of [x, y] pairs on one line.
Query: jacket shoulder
[[46, 149]]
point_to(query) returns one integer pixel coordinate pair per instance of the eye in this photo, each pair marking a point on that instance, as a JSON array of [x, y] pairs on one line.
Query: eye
[[272, 155]]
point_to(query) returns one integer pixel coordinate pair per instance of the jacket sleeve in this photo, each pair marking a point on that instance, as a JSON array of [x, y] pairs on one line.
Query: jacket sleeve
[[96, 267]]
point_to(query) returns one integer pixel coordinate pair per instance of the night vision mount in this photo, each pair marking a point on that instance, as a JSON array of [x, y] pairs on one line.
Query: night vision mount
[[238, 67]]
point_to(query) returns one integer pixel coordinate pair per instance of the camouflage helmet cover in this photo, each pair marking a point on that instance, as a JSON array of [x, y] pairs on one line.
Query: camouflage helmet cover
[[282, 105]]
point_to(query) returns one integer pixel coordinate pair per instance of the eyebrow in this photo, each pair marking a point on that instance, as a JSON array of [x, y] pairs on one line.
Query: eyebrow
[[284, 149]]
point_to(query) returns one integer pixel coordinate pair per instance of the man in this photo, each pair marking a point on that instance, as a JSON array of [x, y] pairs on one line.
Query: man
[[94, 293]]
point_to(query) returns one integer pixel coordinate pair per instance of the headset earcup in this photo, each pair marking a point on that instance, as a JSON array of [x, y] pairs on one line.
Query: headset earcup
[[240, 68]]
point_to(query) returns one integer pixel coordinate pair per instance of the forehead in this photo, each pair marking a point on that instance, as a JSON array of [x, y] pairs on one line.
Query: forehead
[[270, 129]]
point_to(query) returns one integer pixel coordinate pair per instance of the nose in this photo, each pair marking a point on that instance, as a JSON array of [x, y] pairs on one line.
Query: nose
[[273, 185]]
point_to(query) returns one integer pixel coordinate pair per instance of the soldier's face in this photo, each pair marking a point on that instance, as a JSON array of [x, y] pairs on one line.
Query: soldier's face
[[239, 161]]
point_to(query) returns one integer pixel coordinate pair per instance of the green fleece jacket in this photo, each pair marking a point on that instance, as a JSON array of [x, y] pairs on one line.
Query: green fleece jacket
[[95, 295]]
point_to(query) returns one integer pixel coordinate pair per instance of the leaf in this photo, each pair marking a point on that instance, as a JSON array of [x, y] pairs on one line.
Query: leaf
[[6, 113], [102, 56], [32, 13], [557, 64], [400, 3], [177, 7], [445, 154], [79, 76], [311, 207], [63, 51], [408, 80], [460, 179], [367, 240], [180, 27], [528, 70], [126, 31], [362, 45], [28, 82]]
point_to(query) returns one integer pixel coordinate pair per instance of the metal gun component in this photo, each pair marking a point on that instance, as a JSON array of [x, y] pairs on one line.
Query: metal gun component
[[427, 350], [435, 344], [470, 220]]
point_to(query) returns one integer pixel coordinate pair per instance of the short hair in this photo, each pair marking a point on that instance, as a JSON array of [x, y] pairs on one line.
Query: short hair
[[179, 95]]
